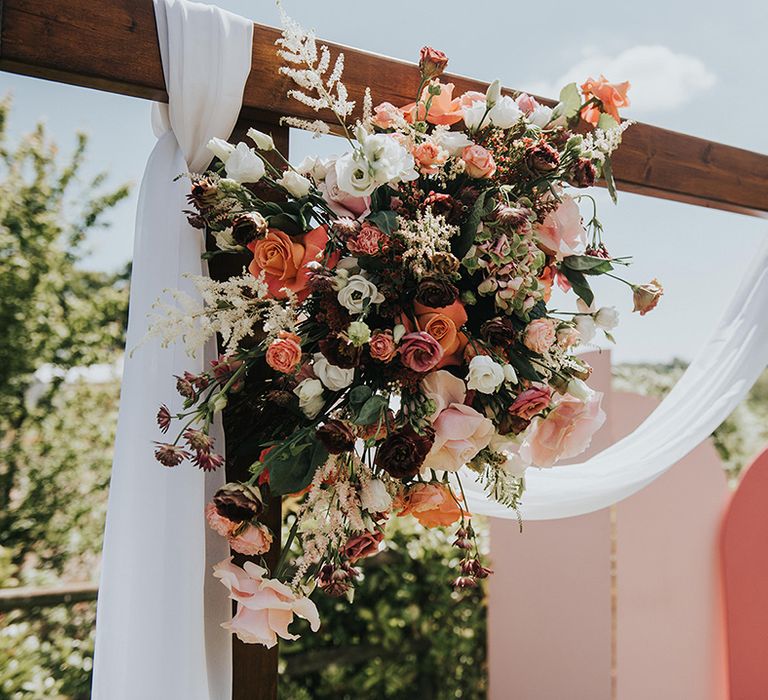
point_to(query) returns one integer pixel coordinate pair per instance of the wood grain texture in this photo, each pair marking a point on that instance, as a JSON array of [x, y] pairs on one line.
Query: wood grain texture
[[111, 45]]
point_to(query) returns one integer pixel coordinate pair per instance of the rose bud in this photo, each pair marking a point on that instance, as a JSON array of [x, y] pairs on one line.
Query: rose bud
[[238, 502], [431, 62], [246, 228], [542, 158], [336, 436], [403, 452], [436, 292], [583, 173], [646, 296]]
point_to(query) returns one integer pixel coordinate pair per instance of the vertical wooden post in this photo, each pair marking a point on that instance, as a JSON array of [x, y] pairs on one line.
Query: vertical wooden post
[[254, 667]]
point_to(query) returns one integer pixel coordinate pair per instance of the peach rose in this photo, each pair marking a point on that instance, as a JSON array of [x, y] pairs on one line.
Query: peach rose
[[284, 353], [460, 433], [429, 157], [562, 233], [384, 115], [612, 95], [253, 539], [218, 523], [646, 296], [539, 335], [433, 505], [443, 324], [265, 607], [443, 388], [442, 110], [284, 260], [565, 432], [382, 346], [478, 161], [531, 401], [469, 98]]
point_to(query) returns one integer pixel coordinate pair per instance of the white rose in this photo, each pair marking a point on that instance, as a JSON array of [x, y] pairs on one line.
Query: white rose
[[297, 185], [333, 377], [220, 148], [359, 293], [263, 141], [474, 114], [505, 113], [244, 164], [579, 390], [541, 115], [485, 374], [509, 374], [586, 328], [453, 141], [374, 497], [607, 318], [353, 175], [310, 393]]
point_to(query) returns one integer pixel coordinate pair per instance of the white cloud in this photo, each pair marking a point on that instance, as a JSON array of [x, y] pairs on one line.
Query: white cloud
[[661, 79]]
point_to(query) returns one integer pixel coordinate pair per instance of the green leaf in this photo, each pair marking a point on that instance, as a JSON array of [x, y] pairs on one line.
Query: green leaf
[[290, 472], [579, 283], [290, 223], [469, 228], [386, 220], [588, 264], [371, 411], [523, 367], [608, 177], [570, 101], [606, 122], [358, 396]]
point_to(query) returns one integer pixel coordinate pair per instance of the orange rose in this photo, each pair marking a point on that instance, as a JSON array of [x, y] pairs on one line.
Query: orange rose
[[433, 505], [442, 110], [612, 95], [284, 260], [429, 157], [284, 353], [443, 325]]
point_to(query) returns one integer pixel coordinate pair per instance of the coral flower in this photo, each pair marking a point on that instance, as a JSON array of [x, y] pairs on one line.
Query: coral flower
[[612, 96], [433, 505], [442, 110], [443, 324]]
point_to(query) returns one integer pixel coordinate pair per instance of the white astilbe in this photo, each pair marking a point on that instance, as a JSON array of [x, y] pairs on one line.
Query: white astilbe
[[308, 68], [425, 236], [600, 143], [316, 126], [233, 308]]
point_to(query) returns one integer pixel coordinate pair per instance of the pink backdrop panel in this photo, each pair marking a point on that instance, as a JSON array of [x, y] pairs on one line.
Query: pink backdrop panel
[[744, 560]]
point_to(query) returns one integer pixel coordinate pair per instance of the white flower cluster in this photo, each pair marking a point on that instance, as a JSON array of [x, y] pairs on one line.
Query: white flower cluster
[[425, 236], [600, 143]]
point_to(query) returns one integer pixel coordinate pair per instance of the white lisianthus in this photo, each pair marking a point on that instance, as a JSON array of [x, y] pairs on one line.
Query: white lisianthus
[[473, 115], [607, 318], [244, 164], [359, 293], [353, 175], [220, 148], [359, 333], [389, 160], [333, 377], [453, 141], [374, 497], [579, 390], [505, 113], [585, 325], [493, 93], [485, 374], [316, 168], [310, 393], [297, 185], [540, 116], [510, 375], [263, 141]]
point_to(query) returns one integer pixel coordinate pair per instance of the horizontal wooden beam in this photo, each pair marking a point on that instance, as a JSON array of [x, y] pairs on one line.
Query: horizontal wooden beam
[[30, 597], [111, 45]]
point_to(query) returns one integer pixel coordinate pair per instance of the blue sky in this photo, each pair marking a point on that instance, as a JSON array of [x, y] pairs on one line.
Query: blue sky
[[693, 69]]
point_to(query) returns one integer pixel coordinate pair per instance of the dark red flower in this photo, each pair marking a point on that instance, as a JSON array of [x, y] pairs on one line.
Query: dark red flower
[[403, 452], [436, 292], [336, 436], [170, 455], [583, 173], [542, 158]]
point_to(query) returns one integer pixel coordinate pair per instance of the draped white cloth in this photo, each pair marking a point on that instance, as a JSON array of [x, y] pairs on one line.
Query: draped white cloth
[[159, 610], [716, 381]]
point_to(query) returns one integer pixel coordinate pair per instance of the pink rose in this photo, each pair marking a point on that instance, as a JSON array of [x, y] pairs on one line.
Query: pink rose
[[342, 203], [370, 240], [565, 432], [363, 545], [443, 388], [469, 98], [526, 103], [460, 433], [382, 346], [531, 401], [420, 352], [429, 157], [284, 353], [265, 606], [562, 233], [385, 114], [218, 523], [254, 539], [479, 162], [540, 335], [568, 337]]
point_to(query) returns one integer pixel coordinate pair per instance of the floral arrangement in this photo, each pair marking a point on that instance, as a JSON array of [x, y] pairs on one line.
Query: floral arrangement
[[391, 334]]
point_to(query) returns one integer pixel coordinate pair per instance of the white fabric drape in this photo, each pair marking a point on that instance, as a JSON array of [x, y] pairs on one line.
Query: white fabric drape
[[159, 610], [719, 377]]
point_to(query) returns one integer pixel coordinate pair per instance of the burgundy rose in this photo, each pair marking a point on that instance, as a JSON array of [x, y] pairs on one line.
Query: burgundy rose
[[420, 352], [336, 436], [403, 452], [531, 401], [498, 331], [363, 545], [339, 352], [436, 292], [247, 227], [238, 502]]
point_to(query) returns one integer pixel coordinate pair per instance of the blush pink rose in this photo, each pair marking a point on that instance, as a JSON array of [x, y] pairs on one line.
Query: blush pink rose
[[460, 433], [478, 161], [385, 114], [284, 354], [566, 431], [531, 401], [526, 103], [443, 388], [265, 606], [218, 523], [370, 240], [382, 346], [253, 539], [539, 335], [562, 233], [429, 157], [420, 352]]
